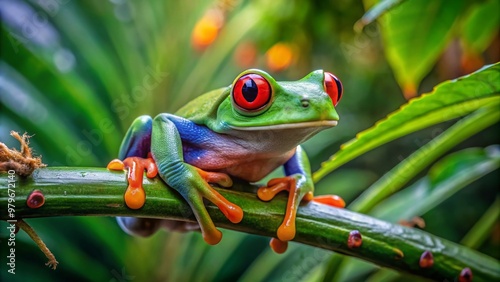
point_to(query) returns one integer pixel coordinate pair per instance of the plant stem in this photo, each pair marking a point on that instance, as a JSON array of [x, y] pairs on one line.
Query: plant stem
[[99, 192]]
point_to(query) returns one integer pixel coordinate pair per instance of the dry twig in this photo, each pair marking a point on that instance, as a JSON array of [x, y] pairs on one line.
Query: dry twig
[[22, 162]]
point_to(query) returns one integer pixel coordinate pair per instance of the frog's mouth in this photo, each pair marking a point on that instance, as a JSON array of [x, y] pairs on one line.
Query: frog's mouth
[[307, 124]]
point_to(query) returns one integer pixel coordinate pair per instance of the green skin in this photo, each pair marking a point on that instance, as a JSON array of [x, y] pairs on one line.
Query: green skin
[[212, 134]]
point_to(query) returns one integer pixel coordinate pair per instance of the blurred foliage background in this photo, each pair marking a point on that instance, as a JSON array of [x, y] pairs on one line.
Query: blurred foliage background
[[76, 73]]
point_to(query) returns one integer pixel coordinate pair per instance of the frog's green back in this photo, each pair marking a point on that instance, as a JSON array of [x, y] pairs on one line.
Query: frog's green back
[[203, 107]]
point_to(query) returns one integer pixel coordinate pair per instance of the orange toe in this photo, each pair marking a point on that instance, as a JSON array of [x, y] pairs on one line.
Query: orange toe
[[212, 237], [140, 165], [268, 193], [116, 164], [135, 197], [278, 246], [331, 200], [309, 196], [151, 168], [233, 212], [286, 232], [218, 178]]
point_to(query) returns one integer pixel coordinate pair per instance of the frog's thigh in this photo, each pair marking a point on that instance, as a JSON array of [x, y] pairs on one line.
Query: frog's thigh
[[137, 141], [139, 226]]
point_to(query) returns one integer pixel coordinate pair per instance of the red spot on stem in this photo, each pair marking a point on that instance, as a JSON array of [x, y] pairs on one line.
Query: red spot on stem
[[354, 240], [465, 275], [36, 199], [426, 260]]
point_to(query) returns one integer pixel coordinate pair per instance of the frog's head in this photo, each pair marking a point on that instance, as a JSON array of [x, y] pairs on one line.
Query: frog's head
[[257, 102]]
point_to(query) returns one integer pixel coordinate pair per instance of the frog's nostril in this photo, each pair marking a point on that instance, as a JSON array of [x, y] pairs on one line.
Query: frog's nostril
[[304, 103]]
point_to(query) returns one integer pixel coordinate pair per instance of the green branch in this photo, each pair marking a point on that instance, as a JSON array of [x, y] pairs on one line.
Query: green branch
[[98, 192]]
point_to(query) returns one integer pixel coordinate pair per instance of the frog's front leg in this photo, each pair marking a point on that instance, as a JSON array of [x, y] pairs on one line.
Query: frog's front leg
[[189, 181], [300, 186], [134, 152]]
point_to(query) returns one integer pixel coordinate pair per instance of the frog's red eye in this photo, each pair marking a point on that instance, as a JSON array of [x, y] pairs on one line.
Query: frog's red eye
[[251, 92], [333, 87]]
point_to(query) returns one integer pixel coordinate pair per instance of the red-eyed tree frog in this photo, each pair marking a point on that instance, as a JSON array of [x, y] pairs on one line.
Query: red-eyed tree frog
[[245, 130]]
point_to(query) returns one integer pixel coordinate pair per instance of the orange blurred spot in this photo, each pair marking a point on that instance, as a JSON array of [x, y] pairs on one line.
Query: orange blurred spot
[[245, 54], [409, 91], [471, 62], [415, 221], [279, 57], [207, 29]]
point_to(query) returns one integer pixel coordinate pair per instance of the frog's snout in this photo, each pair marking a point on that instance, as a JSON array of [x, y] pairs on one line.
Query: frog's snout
[[317, 107]]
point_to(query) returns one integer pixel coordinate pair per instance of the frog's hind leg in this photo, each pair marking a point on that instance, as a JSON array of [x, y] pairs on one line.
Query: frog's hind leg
[[201, 190]]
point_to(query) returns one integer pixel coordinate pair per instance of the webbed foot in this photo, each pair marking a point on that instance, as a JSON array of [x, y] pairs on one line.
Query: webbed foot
[[299, 190], [234, 213], [135, 196], [292, 184]]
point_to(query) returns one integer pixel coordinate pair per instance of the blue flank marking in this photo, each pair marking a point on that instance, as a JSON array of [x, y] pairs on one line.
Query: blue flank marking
[[293, 166], [196, 139], [139, 140]]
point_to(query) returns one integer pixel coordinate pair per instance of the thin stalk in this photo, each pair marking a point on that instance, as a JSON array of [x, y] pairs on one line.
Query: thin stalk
[[99, 192]]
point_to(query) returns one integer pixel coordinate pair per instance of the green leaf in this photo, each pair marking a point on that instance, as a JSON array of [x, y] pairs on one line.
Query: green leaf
[[480, 26], [349, 268], [445, 178], [415, 34], [482, 229], [375, 12], [32, 110], [395, 179], [101, 58], [385, 275], [235, 29], [450, 99], [262, 267]]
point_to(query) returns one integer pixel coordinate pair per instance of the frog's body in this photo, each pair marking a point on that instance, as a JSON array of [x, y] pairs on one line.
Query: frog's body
[[235, 155], [250, 150], [234, 132]]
